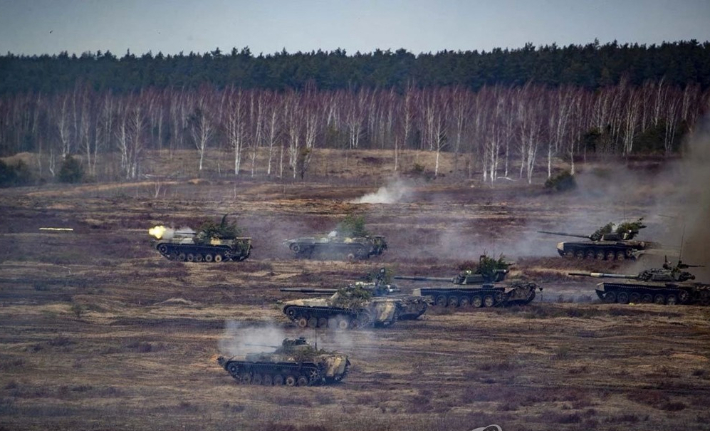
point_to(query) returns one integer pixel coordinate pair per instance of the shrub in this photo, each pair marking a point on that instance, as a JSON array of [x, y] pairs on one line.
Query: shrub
[[71, 171], [352, 226], [561, 182], [17, 174]]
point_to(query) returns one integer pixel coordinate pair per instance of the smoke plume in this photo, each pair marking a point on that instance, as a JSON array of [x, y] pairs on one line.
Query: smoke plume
[[239, 338], [393, 192]]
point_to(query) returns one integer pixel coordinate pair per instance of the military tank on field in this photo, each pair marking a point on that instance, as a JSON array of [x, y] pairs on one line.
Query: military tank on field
[[609, 242], [479, 288], [667, 285], [294, 363], [349, 307], [211, 243], [410, 307], [337, 246]]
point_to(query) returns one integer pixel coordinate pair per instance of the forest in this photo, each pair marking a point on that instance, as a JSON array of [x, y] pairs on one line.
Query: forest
[[506, 111]]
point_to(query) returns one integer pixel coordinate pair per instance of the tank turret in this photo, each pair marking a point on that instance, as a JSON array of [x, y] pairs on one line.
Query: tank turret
[[211, 243], [294, 363], [669, 284], [609, 242], [335, 246], [479, 287]]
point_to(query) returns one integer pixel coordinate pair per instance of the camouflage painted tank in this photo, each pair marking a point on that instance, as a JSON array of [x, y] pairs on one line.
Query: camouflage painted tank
[[667, 285], [606, 243], [335, 246], [212, 243], [349, 307], [479, 288], [410, 307], [294, 363]]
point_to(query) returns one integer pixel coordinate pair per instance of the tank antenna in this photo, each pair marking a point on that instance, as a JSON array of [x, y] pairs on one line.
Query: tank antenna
[[315, 335], [682, 240]]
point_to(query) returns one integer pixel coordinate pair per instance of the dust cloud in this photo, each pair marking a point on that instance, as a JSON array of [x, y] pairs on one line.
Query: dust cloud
[[393, 192], [239, 338]]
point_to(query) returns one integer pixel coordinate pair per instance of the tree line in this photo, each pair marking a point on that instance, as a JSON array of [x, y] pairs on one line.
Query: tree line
[[592, 66], [494, 131]]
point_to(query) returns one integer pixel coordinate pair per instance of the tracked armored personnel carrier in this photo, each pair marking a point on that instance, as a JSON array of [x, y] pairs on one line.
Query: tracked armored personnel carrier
[[350, 307], [294, 363], [667, 285], [479, 288], [212, 243], [335, 246], [606, 243], [410, 307]]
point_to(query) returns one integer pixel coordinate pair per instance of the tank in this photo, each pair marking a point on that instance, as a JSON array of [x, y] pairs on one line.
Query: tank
[[479, 288], [609, 242], [410, 307], [294, 363], [212, 243], [668, 285], [348, 308], [336, 246]]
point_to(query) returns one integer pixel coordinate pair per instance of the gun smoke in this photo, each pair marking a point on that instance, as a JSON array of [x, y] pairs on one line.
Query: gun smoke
[[239, 338], [393, 192]]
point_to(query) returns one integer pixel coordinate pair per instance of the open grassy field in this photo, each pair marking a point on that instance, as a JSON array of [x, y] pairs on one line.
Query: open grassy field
[[99, 332]]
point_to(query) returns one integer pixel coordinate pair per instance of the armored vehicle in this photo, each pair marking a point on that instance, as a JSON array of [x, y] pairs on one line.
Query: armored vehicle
[[667, 285], [337, 246], [608, 242], [349, 307], [410, 307], [479, 288], [212, 243], [294, 363]]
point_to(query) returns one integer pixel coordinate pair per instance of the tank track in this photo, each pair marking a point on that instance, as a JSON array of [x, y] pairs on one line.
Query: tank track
[[278, 374], [341, 251], [200, 253], [599, 252], [624, 294], [329, 317]]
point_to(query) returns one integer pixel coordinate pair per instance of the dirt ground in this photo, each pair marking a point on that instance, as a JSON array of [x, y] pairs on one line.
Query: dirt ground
[[99, 332]]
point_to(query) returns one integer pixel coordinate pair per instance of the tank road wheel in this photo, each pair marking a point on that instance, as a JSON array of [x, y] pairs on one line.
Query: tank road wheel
[[364, 320], [190, 257], [464, 302], [208, 258], [622, 298], [312, 322], [302, 322], [218, 258], [476, 302], [268, 380], [198, 257], [302, 381], [610, 297], [635, 297], [498, 297], [295, 248], [620, 255], [659, 299], [705, 297], [322, 322], [278, 380], [683, 296], [599, 255], [163, 249], [181, 257], [488, 301], [257, 379], [350, 257], [453, 301], [290, 380], [245, 378], [313, 377], [342, 322], [629, 254], [441, 301], [646, 298], [579, 254], [589, 254], [610, 255], [233, 370], [671, 300]]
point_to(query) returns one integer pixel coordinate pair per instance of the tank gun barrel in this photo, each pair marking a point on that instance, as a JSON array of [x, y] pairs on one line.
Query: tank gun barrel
[[564, 234], [419, 278], [602, 275]]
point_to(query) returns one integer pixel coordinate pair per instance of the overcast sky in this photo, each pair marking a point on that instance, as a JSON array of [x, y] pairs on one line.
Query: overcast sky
[[267, 26]]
